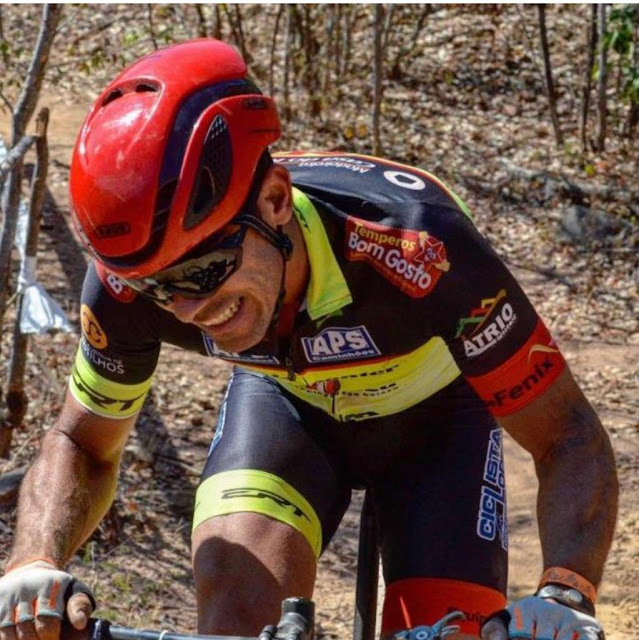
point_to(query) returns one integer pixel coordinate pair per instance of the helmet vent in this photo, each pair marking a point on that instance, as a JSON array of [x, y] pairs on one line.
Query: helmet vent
[[112, 95], [165, 197], [143, 87], [214, 173]]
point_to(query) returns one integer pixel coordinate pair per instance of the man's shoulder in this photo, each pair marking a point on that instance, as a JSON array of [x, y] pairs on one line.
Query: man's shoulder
[[370, 187], [353, 171]]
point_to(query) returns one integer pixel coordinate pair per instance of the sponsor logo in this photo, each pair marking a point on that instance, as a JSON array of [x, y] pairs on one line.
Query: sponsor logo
[[541, 348], [337, 162], [530, 385], [364, 415], [523, 377], [116, 288], [492, 517], [405, 180], [100, 400], [326, 387], [412, 260], [114, 229], [487, 325], [255, 104], [214, 351], [112, 365], [337, 343], [250, 492], [91, 328]]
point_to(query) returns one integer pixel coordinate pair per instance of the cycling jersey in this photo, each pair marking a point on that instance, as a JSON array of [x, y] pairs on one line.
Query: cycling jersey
[[404, 296]]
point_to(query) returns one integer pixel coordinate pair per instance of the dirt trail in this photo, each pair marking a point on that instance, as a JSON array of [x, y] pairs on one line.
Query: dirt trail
[[151, 520]]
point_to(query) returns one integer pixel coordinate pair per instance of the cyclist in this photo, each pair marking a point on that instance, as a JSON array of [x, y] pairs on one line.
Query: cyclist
[[378, 341]]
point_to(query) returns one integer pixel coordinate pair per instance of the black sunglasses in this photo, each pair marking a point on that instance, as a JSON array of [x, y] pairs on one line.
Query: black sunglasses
[[199, 273]]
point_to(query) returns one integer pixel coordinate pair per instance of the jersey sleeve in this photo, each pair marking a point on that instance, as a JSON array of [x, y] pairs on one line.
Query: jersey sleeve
[[118, 352], [499, 342]]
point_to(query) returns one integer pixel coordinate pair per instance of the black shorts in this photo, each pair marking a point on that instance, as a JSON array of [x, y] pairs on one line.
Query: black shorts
[[435, 473]]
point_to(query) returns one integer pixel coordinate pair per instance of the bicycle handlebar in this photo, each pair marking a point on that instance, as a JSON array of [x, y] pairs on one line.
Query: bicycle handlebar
[[103, 630], [297, 623]]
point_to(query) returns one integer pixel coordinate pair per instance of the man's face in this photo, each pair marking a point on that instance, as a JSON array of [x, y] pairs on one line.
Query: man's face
[[238, 314]]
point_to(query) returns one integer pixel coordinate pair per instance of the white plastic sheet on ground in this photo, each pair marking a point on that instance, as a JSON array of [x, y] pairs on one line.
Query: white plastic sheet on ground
[[40, 312]]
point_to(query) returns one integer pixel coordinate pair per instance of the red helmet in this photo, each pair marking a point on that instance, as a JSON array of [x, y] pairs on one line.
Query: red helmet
[[167, 155]]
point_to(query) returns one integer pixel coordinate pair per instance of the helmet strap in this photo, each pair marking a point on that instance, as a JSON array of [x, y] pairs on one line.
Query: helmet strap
[[280, 241], [276, 237]]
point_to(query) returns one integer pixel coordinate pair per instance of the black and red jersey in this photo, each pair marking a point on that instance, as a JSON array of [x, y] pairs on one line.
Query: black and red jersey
[[404, 296]]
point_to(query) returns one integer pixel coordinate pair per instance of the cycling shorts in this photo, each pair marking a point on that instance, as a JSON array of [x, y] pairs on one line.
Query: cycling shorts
[[434, 471]]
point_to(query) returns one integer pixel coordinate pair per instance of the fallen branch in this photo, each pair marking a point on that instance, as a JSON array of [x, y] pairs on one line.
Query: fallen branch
[[548, 272], [574, 188]]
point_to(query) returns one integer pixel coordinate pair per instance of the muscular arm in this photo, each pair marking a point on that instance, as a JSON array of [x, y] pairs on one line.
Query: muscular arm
[[577, 499], [70, 486]]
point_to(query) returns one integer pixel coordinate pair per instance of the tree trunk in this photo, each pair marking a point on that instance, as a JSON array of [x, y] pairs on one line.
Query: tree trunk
[[149, 17], [288, 44], [311, 71], [633, 112], [217, 26], [5, 54], [271, 74], [235, 22], [550, 87], [349, 15], [202, 31], [602, 104], [329, 32], [396, 70], [24, 110], [338, 48], [378, 75], [17, 400], [587, 86]]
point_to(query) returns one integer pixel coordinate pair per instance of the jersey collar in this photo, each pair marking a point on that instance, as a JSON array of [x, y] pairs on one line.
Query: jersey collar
[[327, 289]]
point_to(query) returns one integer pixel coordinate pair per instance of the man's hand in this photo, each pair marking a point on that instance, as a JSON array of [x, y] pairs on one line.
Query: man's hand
[[34, 599], [538, 619]]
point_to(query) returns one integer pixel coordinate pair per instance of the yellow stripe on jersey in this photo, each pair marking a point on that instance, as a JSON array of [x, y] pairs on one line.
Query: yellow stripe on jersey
[[243, 490], [102, 396], [378, 388]]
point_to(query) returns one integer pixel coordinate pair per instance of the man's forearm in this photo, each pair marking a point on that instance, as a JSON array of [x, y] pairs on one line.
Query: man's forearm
[[64, 496], [577, 500]]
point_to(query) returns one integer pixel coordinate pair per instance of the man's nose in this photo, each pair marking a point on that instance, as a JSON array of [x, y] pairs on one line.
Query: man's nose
[[186, 309]]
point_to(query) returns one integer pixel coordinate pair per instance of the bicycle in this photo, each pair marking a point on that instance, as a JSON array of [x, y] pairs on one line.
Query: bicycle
[[297, 621]]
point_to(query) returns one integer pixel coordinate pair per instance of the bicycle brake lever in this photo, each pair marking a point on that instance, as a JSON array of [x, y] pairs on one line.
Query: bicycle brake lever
[[99, 629], [439, 631], [443, 627]]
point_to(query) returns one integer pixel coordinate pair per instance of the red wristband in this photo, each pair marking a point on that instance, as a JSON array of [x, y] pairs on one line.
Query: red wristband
[[568, 578]]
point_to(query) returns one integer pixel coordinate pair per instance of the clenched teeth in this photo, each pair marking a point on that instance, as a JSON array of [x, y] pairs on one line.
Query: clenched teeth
[[225, 316]]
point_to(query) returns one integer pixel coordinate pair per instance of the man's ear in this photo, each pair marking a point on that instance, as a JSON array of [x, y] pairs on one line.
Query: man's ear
[[275, 200]]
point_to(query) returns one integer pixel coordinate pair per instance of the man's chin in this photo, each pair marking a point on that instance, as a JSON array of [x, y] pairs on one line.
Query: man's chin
[[232, 344]]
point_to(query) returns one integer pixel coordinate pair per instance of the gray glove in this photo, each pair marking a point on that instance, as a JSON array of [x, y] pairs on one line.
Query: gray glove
[[537, 618], [35, 589]]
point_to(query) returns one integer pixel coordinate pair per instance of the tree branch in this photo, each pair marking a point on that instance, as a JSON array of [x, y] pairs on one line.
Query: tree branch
[[33, 82]]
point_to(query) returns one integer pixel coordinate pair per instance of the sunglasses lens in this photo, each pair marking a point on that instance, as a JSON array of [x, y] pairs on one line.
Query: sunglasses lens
[[199, 274]]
